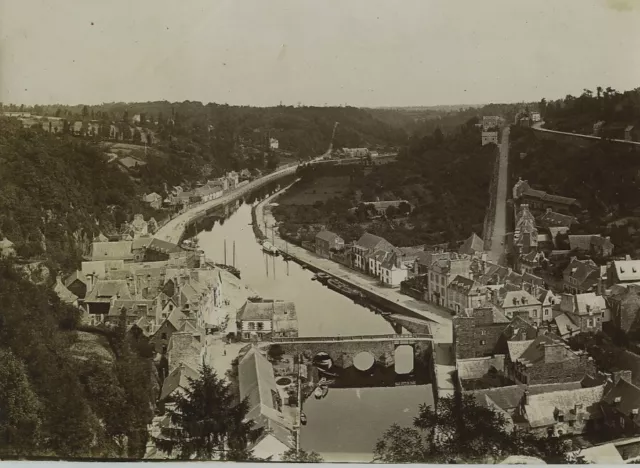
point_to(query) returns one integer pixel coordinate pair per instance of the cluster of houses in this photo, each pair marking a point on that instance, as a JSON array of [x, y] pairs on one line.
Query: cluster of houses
[[181, 303], [490, 128], [115, 131], [618, 131], [180, 198]]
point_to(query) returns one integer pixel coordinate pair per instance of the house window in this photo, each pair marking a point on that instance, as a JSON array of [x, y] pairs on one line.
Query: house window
[[590, 322], [260, 325], [546, 312], [483, 342], [483, 332], [164, 336], [431, 276], [252, 326]]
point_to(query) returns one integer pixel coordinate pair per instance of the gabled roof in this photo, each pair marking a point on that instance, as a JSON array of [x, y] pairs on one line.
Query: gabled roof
[[179, 378], [553, 219], [628, 394], [580, 242], [104, 290], [75, 276], [519, 298], [472, 245], [63, 293], [583, 271], [372, 242], [542, 408], [627, 270], [536, 353], [589, 302], [111, 251], [163, 246], [516, 348], [510, 397], [565, 325], [267, 310]]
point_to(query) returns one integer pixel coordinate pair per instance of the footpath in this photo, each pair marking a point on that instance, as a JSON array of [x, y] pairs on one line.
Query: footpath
[[441, 325]]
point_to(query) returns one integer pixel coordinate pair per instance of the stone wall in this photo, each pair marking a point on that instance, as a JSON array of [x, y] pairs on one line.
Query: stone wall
[[341, 351], [473, 339], [559, 372]]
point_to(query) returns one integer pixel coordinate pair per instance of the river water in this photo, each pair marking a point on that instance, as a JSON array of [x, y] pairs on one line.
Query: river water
[[346, 425], [321, 311]]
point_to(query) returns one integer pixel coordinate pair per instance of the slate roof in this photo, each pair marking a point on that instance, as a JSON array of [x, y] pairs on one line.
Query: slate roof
[[565, 325], [472, 245], [535, 352], [75, 276], [104, 290], [462, 284], [516, 348], [266, 310], [542, 408], [257, 384], [372, 242], [130, 162], [589, 302], [518, 298], [584, 272], [111, 251], [163, 246], [532, 279], [509, 397], [328, 236], [580, 242], [141, 242], [179, 378], [553, 219], [627, 270], [63, 293], [475, 368], [629, 396]]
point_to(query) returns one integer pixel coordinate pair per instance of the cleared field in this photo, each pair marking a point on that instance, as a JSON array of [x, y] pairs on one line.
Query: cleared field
[[320, 189]]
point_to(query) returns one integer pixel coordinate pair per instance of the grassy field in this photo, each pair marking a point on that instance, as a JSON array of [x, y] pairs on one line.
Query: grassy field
[[321, 189]]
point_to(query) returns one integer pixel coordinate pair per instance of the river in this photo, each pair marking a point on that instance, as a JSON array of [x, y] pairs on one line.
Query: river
[[346, 425], [321, 311]]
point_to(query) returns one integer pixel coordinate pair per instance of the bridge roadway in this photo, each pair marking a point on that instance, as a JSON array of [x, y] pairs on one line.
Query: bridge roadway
[[397, 339], [538, 127]]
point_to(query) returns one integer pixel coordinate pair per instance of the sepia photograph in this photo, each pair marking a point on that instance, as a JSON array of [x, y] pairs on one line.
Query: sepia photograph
[[339, 231]]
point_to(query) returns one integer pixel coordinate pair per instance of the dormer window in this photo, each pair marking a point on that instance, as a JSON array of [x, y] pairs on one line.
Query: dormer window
[[633, 269]]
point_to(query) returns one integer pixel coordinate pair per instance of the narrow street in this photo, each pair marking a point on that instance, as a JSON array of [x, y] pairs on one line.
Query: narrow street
[[497, 251]]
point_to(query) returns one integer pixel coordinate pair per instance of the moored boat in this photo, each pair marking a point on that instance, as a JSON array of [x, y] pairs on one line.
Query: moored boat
[[269, 248]]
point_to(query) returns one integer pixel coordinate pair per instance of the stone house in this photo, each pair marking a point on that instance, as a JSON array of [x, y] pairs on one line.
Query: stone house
[[623, 271], [519, 303], [366, 246], [489, 137], [257, 385], [259, 321], [586, 311], [548, 300], [624, 303], [102, 296], [621, 406], [77, 284], [185, 348], [153, 199], [441, 272], [593, 244], [546, 359], [485, 331], [541, 200], [465, 293], [326, 242], [112, 251], [473, 245], [552, 219], [581, 276], [176, 382], [561, 413]]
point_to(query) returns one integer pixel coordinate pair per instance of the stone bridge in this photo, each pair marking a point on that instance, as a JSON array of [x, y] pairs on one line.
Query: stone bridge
[[343, 349]]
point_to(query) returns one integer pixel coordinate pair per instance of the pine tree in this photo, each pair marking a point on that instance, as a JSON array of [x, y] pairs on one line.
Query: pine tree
[[206, 424]]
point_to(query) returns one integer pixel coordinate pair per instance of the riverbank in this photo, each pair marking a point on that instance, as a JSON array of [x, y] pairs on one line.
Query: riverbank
[[174, 229], [441, 327]]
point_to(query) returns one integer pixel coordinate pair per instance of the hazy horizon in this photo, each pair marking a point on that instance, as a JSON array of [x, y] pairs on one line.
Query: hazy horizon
[[362, 53]]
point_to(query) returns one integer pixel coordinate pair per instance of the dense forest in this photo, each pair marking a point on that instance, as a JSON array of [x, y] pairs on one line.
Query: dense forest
[[56, 402], [445, 177], [579, 113], [603, 176], [56, 193]]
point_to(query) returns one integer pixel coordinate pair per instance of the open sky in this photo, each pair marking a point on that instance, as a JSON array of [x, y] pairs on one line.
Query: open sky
[[360, 52]]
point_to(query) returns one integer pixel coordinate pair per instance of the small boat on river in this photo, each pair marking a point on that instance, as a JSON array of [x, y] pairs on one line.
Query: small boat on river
[[303, 418], [269, 248]]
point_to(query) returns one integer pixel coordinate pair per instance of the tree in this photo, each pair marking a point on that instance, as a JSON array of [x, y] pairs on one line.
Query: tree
[[275, 352], [301, 456], [205, 423], [85, 112], [459, 430], [20, 409], [391, 211], [438, 136]]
